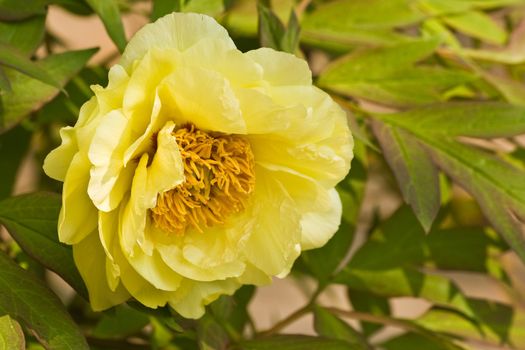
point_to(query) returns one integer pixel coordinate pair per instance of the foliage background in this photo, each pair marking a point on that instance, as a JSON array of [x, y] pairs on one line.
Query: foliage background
[[435, 96]]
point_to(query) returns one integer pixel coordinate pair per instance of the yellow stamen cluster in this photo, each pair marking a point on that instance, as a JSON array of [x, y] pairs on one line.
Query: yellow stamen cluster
[[219, 171]]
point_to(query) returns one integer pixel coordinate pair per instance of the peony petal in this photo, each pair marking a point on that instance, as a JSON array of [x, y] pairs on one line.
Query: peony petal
[[262, 115], [58, 160], [219, 56], [319, 226], [207, 100], [78, 216], [273, 248], [137, 286], [106, 153], [167, 169], [90, 259], [253, 275], [320, 208], [190, 300], [173, 256], [176, 30], [317, 144], [281, 68]]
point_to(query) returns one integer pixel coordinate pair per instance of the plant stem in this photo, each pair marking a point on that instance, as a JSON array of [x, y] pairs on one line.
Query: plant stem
[[294, 316], [384, 320]]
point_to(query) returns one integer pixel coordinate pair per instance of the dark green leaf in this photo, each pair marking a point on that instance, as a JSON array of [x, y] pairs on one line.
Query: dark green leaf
[[418, 341], [11, 334], [75, 6], [496, 185], [415, 173], [13, 146], [11, 57], [110, 15], [32, 221], [120, 322], [297, 342], [271, 29], [324, 261], [290, 39], [12, 10], [24, 35], [211, 334], [163, 7], [27, 299], [369, 303], [232, 311], [28, 93], [330, 326]]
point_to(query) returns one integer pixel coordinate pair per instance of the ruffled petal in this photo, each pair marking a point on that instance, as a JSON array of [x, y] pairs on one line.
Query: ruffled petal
[[206, 100], [58, 160], [138, 286], [90, 259], [191, 298], [281, 68], [320, 208], [176, 30], [78, 216], [317, 144]]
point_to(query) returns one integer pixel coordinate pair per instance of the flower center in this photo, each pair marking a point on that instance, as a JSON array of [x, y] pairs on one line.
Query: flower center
[[219, 171]]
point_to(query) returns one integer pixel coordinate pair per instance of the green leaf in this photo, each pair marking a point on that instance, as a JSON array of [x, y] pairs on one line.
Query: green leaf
[[297, 342], [474, 119], [27, 299], [496, 323], [4, 85], [232, 311], [345, 15], [369, 303], [211, 334], [513, 53], [290, 39], [478, 25], [496, 185], [75, 6], [11, 57], [13, 146], [110, 15], [415, 173], [120, 322], [389, 75], [418, 341], [271, 29], [330, 326], [27, 93], [32, 221], [163, 7], [25, 35], [14, 10], [11, 334], [398, 282], [324, 261]]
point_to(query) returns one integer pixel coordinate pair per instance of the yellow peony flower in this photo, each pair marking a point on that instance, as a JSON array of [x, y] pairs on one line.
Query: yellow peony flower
[[198, 169]]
